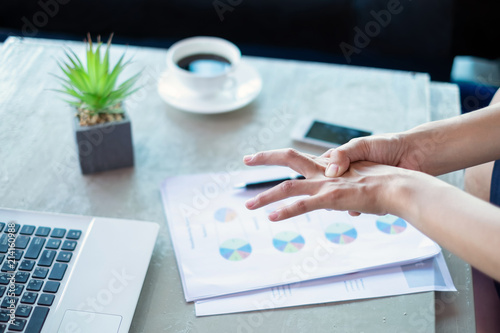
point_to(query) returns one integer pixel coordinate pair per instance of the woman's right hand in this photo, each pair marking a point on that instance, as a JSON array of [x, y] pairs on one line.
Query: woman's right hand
[[388, 149]]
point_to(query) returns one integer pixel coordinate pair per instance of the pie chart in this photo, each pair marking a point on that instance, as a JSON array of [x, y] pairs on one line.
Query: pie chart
[[288, 242], [235, 249], [341, 233], [391, 224], [225, 214]]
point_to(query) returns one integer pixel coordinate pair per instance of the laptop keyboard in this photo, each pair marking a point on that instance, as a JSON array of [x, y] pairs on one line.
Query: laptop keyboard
[[33, 261]]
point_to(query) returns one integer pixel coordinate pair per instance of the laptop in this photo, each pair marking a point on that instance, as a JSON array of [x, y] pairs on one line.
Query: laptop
[[67, 273]]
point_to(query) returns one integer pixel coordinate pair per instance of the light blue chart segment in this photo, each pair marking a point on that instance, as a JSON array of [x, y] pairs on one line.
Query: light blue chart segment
[[391, 224], [341, 233], [288, 242], [235, 249], [225, 214]]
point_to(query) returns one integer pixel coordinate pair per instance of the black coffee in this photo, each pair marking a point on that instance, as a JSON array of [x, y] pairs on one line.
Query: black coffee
[[204, 64]]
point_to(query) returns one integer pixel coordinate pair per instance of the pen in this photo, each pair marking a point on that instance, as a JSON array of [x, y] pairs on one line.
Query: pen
[[266, 183]]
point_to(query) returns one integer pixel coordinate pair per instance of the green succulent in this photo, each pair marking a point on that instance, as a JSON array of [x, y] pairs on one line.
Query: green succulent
[[95, 87]]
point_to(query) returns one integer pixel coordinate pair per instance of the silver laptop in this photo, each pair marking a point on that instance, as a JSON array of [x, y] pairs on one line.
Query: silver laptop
[[65, 273]]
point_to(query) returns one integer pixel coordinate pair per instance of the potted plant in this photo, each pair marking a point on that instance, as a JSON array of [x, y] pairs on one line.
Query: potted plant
[[102, 127]]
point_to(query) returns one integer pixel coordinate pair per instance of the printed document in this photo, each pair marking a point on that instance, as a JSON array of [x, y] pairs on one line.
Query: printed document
[[223, 248], [428, 275]]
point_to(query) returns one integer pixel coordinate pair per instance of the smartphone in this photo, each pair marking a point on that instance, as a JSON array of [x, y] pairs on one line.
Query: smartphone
[[325, 134]]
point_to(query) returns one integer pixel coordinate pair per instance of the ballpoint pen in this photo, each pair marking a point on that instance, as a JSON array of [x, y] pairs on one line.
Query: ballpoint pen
[[266, 183]]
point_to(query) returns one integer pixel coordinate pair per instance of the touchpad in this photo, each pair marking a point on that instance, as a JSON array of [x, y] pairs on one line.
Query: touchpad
[[89, 322]]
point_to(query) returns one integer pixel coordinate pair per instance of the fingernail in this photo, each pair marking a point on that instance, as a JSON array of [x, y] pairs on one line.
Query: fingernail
[[250, 203], [273, 216], [331, 170], [247, 158]]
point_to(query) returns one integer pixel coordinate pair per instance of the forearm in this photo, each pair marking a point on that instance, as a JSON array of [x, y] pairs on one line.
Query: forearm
[[465, 225], [456, 143]]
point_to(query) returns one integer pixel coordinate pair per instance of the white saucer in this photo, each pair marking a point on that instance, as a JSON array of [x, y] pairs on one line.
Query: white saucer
[[248, 86]]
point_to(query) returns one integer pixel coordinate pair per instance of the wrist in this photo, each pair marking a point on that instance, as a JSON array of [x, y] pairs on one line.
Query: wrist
[[425, 145], [401, 194]]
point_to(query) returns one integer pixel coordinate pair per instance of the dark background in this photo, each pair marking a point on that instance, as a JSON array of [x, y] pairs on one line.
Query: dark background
[[425, 36]]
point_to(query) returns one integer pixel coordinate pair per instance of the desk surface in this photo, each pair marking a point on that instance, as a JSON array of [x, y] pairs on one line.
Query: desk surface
[[39, 171]]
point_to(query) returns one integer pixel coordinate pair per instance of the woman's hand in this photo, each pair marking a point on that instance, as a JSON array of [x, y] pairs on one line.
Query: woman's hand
[[365, 187], [388, 149]]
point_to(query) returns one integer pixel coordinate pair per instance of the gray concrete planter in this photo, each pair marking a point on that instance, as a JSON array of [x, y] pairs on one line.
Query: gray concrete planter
[[104, 146]]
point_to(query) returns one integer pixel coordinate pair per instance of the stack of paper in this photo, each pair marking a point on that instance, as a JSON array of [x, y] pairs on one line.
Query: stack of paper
[[231, 259]]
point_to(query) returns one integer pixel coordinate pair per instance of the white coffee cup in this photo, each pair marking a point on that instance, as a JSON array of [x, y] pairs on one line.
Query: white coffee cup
[[203, 85]]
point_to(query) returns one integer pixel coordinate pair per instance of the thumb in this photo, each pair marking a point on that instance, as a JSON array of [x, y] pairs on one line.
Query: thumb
[[342, 157], [339, 163]]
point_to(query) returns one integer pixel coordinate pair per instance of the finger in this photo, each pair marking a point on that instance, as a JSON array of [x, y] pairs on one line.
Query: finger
[[289, 188], [327, 153], [291, 158], [299, 207], [342, 157], [352, 213]]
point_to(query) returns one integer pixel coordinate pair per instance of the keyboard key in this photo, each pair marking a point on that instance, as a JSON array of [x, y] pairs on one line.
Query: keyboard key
[[18, 290], [23, 310], [9, 266], [58, 233], [51, 287], [29, 297], [3, 328], [27, 265], [27, 230], [53, 244], [22, 241], [35, 247], [47, 258], [42, 231], [58, 271], [5, 278], [18, 325], [14, 254], [46, 299], [74, 234], [2, 257], [34, 285], [18, 254], [2, 290], [64, 256], [4, 243], [7, 301], [12, 228], [37, 319], [68, 245], [4, 316], [40, 272], [1, 226], [22, 277]]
